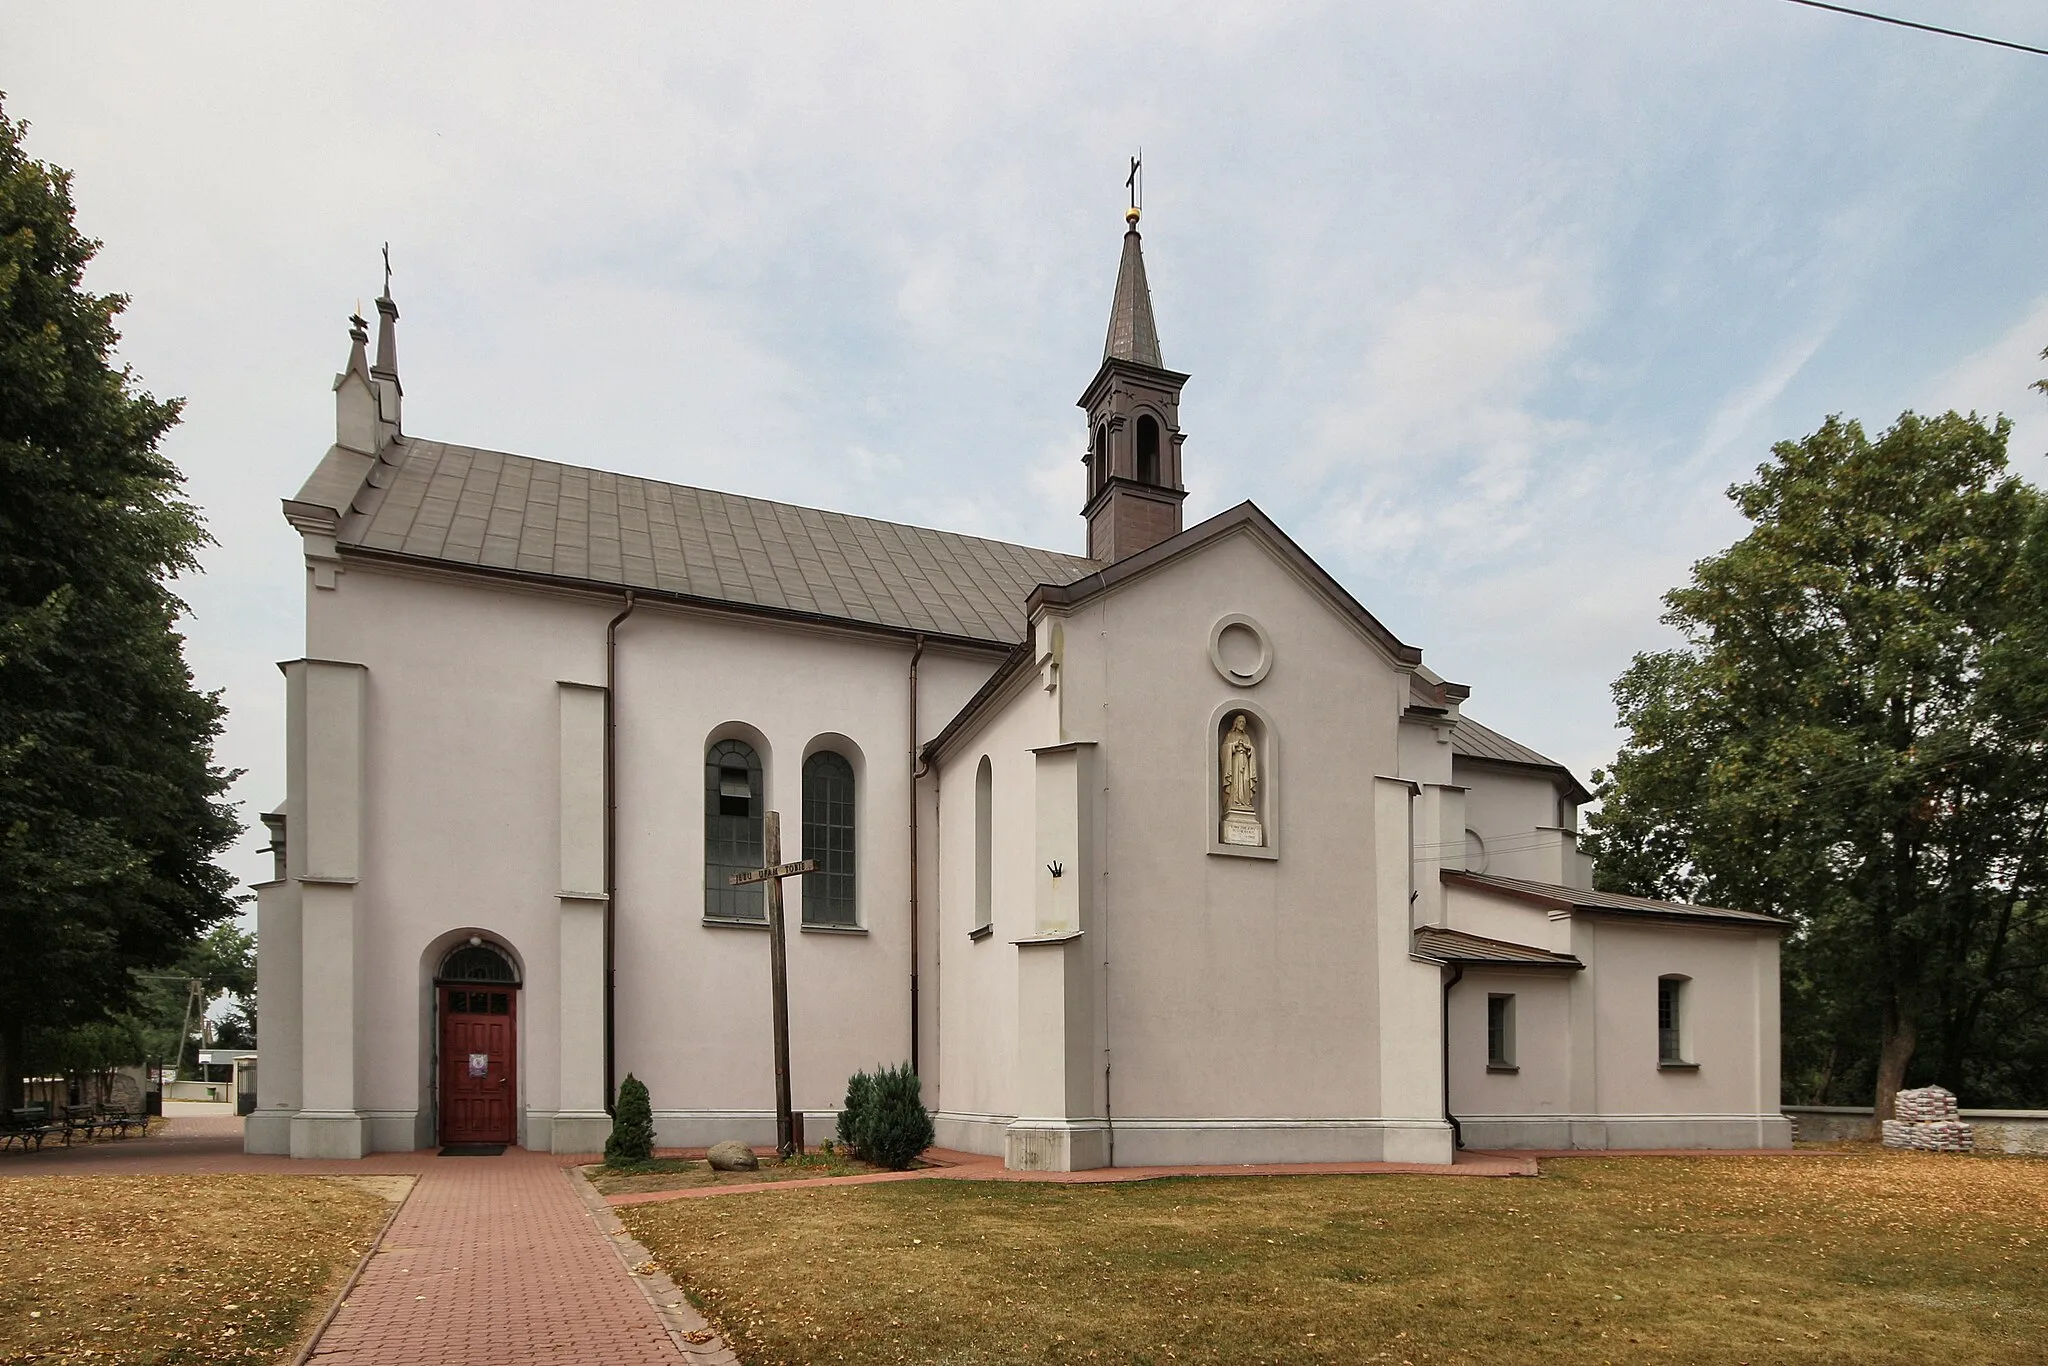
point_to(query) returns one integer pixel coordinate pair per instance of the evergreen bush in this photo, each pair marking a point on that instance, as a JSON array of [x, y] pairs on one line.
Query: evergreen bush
[[632, 1137], [893, 1126], [860, 1090]]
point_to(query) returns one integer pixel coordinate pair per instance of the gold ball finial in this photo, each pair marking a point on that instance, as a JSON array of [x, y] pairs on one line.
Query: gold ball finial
[[1131, 215]]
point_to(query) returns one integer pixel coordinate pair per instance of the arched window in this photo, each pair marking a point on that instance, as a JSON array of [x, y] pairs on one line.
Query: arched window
[[1100, 469], [828, 838], [732, 831], [477, 963], [1148, 451], [984, 852]]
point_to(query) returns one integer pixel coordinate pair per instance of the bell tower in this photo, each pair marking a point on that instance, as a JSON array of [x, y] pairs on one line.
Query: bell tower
[[1134, 435]]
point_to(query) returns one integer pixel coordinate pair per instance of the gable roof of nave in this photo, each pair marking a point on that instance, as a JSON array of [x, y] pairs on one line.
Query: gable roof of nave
[[465, 508]]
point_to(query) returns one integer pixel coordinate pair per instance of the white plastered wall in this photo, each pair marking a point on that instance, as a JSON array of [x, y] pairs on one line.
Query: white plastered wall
[[466, 752], [975, 976], [1587, 1041], [1244, 996]]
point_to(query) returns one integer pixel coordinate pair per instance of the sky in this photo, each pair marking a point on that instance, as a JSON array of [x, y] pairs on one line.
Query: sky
[[1487, 302]]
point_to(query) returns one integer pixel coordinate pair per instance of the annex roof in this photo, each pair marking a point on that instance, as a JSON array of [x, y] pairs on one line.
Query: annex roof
[[1437, 944], [437, 503], [1557, 898], [1470, 740]]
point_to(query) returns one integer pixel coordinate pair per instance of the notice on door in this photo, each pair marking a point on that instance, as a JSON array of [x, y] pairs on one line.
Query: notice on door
[[479, 1064]]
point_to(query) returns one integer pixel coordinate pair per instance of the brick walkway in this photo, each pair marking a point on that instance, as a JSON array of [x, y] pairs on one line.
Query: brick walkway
[[495, 1260], [492, 1261]]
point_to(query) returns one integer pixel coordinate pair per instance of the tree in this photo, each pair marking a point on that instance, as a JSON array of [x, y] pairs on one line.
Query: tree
[[1852, 736], [632, 1136], [111, 809]]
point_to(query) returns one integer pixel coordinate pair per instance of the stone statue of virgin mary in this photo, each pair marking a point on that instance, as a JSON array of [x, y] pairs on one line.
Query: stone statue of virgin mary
[[1240, 762]]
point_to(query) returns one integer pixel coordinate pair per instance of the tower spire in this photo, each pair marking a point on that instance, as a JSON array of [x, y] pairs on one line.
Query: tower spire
[[1133, 336], [1133, 405], [390, 392]]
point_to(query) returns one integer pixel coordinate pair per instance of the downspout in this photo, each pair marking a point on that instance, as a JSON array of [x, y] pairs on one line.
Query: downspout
[[1457, 1134], [917, 772], [611, 846]]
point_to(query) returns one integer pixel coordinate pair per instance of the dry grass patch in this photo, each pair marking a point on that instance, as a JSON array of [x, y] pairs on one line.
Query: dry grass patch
[[676, 1173], [174, 1269], [1867, 1258]]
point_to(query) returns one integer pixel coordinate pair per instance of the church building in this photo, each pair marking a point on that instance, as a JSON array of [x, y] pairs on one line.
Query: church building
[[1167, 851]]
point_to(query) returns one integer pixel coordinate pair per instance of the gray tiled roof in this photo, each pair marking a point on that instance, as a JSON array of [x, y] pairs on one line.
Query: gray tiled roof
[[1471, 740], [463, 506], [1584, 899], [1441, 945]]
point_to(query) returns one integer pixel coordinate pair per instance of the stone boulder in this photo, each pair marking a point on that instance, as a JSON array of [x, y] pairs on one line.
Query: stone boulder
[[730, 1156]]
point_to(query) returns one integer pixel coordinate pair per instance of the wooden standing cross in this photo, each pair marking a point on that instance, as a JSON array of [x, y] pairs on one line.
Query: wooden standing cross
[[788, 1139]]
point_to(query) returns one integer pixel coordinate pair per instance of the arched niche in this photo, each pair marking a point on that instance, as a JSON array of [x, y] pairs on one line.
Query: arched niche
[[1264, 738], [434, 956]]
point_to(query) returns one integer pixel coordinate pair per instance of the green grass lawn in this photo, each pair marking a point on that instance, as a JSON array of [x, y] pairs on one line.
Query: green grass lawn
[[1870, 1257]]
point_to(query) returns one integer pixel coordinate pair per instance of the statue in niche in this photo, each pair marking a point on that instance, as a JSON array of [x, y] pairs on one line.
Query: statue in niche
[[1240, 762]]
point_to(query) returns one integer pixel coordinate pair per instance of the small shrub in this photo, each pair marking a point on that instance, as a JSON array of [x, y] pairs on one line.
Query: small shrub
[[632, 1137], [860, 1090], [893, 1126]]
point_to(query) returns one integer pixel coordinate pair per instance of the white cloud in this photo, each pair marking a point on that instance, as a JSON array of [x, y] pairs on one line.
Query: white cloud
[[2000, 379]]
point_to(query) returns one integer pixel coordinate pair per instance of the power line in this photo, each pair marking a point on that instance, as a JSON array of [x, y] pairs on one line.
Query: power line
[[1924, 28]]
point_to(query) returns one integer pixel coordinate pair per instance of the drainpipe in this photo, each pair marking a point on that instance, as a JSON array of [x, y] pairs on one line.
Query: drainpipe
[[917, 772], [611, 846], [1457, 1134]]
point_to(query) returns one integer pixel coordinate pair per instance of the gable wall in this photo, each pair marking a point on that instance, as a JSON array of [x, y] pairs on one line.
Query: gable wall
[[1237, 987]]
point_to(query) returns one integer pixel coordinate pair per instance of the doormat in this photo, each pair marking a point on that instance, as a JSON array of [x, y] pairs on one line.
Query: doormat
[[473, 1150]]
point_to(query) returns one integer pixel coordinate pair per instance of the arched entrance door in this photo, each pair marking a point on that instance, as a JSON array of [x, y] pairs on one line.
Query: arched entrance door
[[477, 992]]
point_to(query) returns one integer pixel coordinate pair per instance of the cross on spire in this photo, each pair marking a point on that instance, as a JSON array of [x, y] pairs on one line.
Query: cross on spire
[[387, 270], [1135, 184]]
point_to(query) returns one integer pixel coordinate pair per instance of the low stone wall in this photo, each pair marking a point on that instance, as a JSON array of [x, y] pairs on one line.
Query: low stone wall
[[1996, 1131]]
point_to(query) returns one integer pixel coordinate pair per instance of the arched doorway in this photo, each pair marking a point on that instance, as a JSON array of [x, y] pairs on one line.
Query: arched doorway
[[477, 992]]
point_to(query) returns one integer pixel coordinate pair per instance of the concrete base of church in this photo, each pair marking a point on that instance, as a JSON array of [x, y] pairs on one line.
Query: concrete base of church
[[1078, 1145], [328, 1135], [579, 1132], [1563, 1133], [970, 1133], [756, 1128], [1056, 1145], [1228, 1142], [268, 1132]]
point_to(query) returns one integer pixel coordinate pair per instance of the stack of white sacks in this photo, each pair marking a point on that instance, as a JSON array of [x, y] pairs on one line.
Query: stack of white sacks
[[1927, 1121]]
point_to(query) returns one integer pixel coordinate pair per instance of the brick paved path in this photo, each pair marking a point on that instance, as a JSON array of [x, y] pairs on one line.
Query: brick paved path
[[495, 1261]]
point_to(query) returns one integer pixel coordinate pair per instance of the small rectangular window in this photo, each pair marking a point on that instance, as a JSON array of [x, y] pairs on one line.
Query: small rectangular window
[[458, 1001], [1670, 1017], [1500, 1031], [735, 792]]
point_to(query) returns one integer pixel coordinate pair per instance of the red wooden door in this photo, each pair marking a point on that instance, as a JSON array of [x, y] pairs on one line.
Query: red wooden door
[[478, 1064]]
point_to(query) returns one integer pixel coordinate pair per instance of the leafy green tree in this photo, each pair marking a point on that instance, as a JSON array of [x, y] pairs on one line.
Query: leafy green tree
[[111, 809], [1852, 736]]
